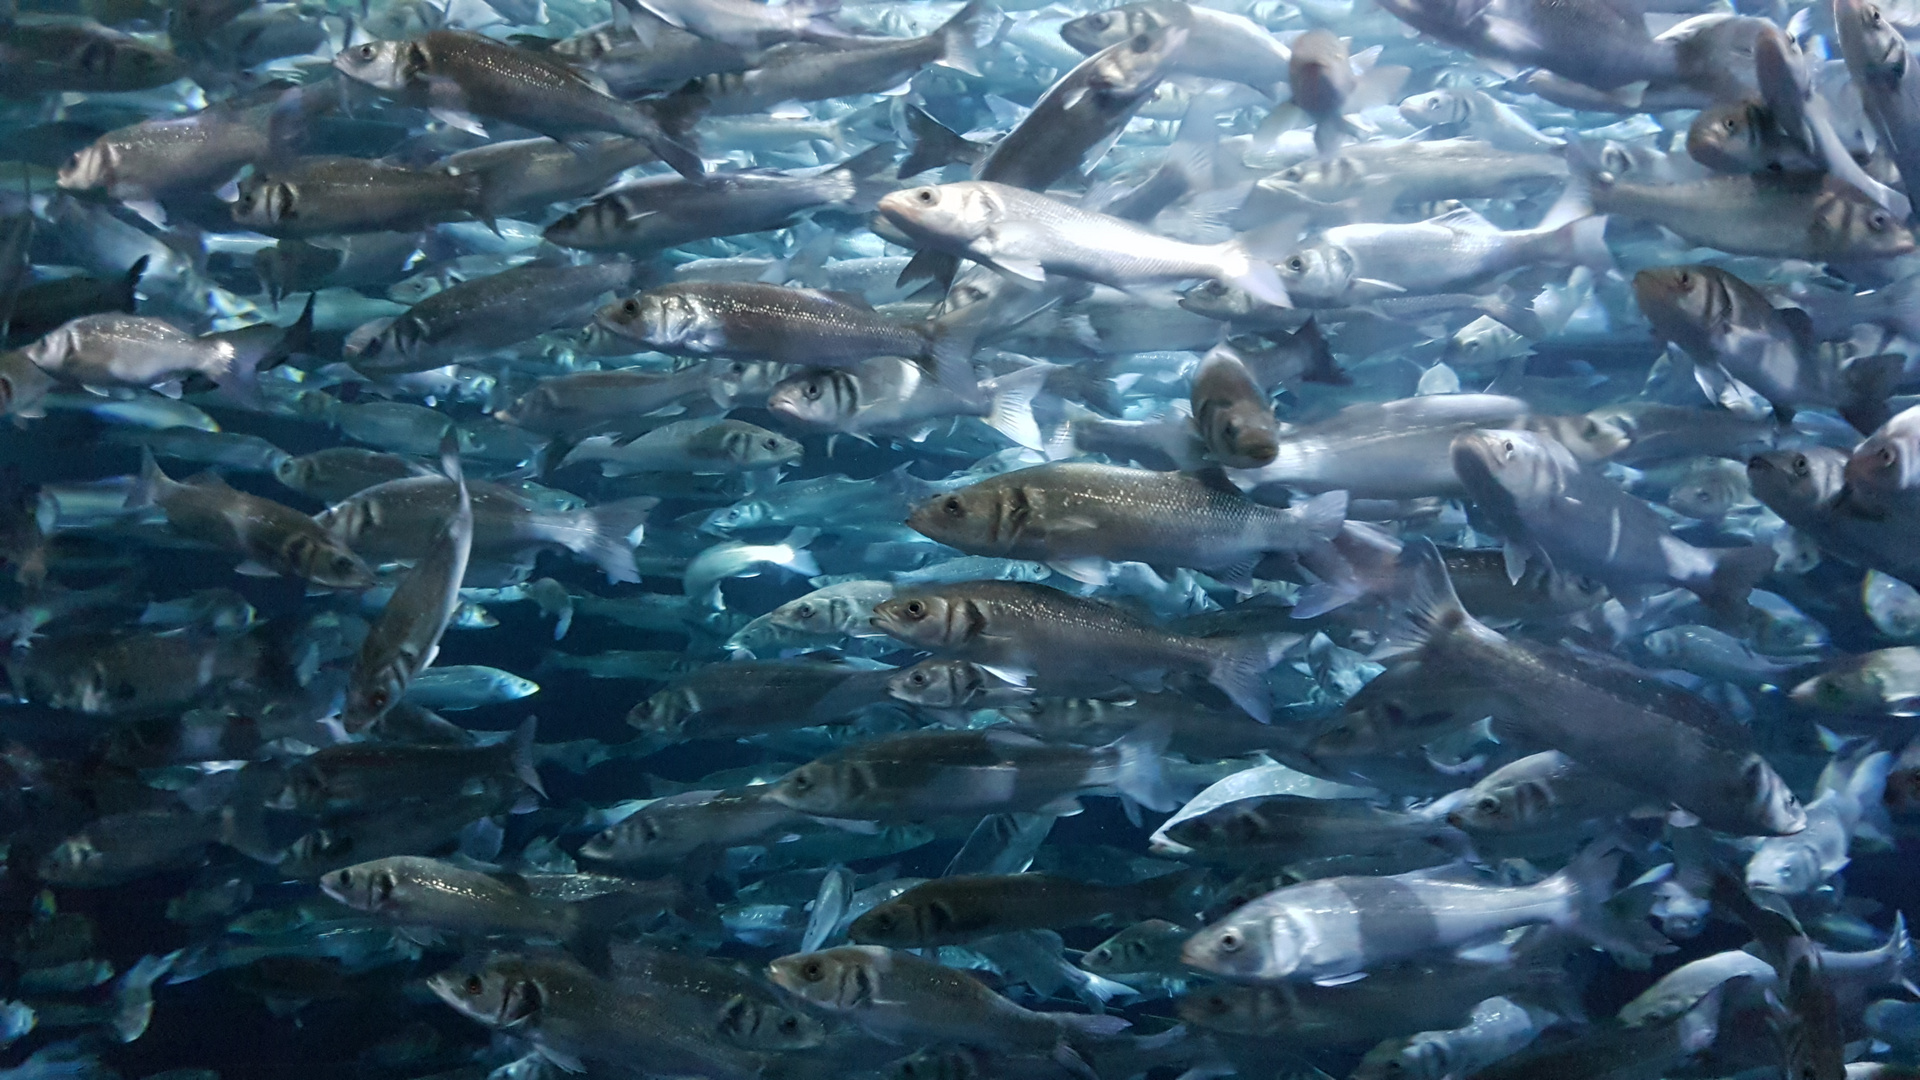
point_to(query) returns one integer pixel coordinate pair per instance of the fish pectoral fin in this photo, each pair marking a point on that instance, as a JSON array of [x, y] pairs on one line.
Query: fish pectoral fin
[[424, 936], [1024, 269], [1091, 570], [1515, 558], [255, 568], [1064, 806], [566, 1062], [460, 121], [1341, 980], [1376, 283]]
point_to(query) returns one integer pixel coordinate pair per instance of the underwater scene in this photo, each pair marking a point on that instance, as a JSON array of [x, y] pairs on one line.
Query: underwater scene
[[909, 540]]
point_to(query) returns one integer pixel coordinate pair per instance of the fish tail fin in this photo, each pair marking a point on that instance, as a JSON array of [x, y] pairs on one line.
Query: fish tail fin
[[679, 156], [1700, 1026], [297, 340], [950, 358], [1140, 777], [1011, 403], [1331, 134], [593, 921], [1735, 572], [674, 115], [521, 756], [932, 144], [1903, 306], [1321, 365], [609, 533], [1867, 382], [1322, 516], [1861, 786], [151, 485], [862, 174], [1239, 668], [1426, 604], [1587, 883], [1241, 268], [928, 265], [960, 38], [1899, 948], [1585, 242]]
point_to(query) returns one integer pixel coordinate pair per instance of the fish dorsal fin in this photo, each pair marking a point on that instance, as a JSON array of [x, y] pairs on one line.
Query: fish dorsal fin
[[1464, 217], [1800, 324]]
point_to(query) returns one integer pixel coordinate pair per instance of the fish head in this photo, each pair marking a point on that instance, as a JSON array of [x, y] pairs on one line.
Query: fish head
[[1678, 300], [1589, 438], [1217, 300], [937, 684], [1320, 271], [74, 860], [749, 446], [1787, 869], [1874, 48], [295, 472], [265, 203], [326, 563], [732, 382], [741, 515], [1128, 70], [1726, 137], [1704, 496], [637, 837], [666, 712], [817, 787], [1500, 808], [945, 213], [1484, 341], [55, 348], [1803, 479], [368, 886], [899, 923], [1764, 801], [1101, 29], [1244, 1010], [979, 519], [384, 344], [497, 991], [1434, 108], [922, 618], [1234, 824], [372, 693], [1518, 463], [91, 166], [1242, 435], [840, 979], [383, 65], [1887, 462], [1320, 72], [1246, 945], [759, 1024], [1844, 689], [826, 398], [1846, 220]]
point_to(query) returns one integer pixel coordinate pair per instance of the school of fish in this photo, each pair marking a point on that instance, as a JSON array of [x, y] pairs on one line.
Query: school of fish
[[911, 540]]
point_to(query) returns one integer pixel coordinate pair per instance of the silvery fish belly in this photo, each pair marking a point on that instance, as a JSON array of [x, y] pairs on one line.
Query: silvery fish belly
[[959, 539]]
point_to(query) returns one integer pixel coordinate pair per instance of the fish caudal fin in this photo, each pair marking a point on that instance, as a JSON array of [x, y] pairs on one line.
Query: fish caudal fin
[[1587, 883], [609, 533]]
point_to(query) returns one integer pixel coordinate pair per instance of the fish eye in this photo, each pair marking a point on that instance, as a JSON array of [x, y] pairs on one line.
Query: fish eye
[[631, 307], [771, 444], [1878, 221], [916, 609], [800, 782], [790, 1025], [804, 611], [1101, 19], [1684, 280], [1508, 444], [1141, 43], [1886, 455], [379, 698], [1731, 124], [927, 196], [813, 971], [346, 879], [812, 390], [368, 51], [918, 678], [1296, 264], [1591, 430], [1487, 805], [953, 508], [1801, 466], [1230, 941], [474, 986], [738, 367]]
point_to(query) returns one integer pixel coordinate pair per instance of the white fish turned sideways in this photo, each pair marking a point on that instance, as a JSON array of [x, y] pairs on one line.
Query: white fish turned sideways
[[1031, 236]]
